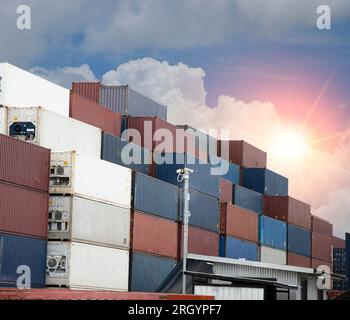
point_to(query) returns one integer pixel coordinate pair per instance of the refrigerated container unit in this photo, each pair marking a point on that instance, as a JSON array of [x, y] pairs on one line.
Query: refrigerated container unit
[[135, 157], [19, 253], [22, 88], [248, 199], [53, 131], [289, 210], [88, 177], [242, 153], [234, 248], [73, 218], [149, 271], [272, 233], [94, 114], [271, 255], [265, 181], [85, 266], [299, 240]]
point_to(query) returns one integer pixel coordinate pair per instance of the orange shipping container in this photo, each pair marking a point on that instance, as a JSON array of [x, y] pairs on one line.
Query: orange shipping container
[[298, 260], [315, 263], [338, 243], [89, 90], [225, 191], [321, 226], [321, 247]]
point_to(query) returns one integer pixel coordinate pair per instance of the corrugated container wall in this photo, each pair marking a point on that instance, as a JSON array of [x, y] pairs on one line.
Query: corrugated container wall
[[154, 235], [271, 255], [289, 210], [205, 211], [322, 226], [89, 90], [242, 153], [24, 164], [239, 222], [112, 148], [321, 247], [22, 251], [225, 191], [234, 248], [78, 219], [338, 243], [54, 131], [299, 240], [20, 88], [92, 113], [272, 233], [89, 177], [298, 260], [149, 271], [248, 199], [23, 211], [155, 196]]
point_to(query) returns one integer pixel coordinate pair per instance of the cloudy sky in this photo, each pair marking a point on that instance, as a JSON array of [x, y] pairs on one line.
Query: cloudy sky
[[261, 69]]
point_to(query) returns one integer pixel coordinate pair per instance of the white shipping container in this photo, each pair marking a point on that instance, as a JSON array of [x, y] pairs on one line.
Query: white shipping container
[[230, 293], [20, 88], [82, 220], [89, 177], [54, 131], [3, 120], [85, 266], [271, 255]]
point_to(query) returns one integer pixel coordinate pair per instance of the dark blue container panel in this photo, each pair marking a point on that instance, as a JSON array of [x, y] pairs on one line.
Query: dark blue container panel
[[248, 199], [155, 196], [233, 172], [299, 240], [201, 179], [265, 181], [149, 271], [272, 233], [112, 151], [17, 251], [205, 210], [234, 248]]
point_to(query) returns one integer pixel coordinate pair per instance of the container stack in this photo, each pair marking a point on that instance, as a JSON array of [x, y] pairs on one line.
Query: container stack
[[24, 186], [322, 233]]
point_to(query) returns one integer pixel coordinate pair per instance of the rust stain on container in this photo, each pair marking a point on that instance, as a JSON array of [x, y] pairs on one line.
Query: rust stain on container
[[298, 260], [321, 226], [225, 191], [92, 113], [239, 222], [289, 210], [321, 247], [89, 90], [154, 235]]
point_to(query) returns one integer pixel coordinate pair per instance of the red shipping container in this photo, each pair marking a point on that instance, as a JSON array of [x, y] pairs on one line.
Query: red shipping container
[[90, 112], [289, 210], [321, 247], [242, 153], [89, 90], [298, 260], [154, 235], [200, 241], [321, 226], [338, 243], [239, 222], [23, 211], [225, 191], [24, 164], [315, 263]]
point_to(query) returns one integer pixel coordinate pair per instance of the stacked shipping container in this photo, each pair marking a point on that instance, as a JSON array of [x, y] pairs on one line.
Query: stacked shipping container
[[339, 262]]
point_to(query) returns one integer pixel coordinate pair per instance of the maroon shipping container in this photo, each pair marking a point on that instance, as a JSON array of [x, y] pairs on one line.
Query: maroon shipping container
[[338, 243], [242, 153], [239, 222], [200, 241], [321, 247], [155, 235], [225, 191], [289, 210], [24, 164], [89, 90], [23, 211], [315, 263], [90, 112], [321, 226], [298, 260]]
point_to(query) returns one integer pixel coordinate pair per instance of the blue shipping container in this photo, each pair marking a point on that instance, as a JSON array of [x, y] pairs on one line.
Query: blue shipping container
[[248, 199], [205, 210], [112, 151], [18, 251], [149, 271], [265, 181], [299, 240], [234, 248], [155, 196], [233, 172], [272, 233], [201, 179]]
